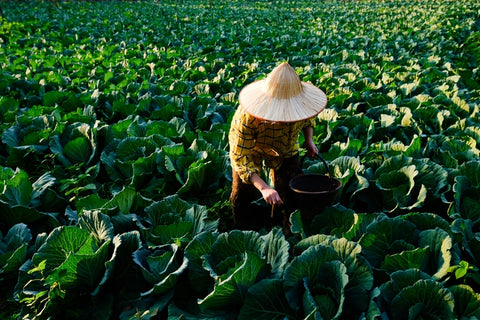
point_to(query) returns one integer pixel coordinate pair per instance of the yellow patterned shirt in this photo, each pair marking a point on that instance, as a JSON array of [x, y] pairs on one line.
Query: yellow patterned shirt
[[253, 140]]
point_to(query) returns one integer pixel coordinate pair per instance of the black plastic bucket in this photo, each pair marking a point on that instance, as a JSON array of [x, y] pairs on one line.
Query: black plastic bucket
[[313, 192]]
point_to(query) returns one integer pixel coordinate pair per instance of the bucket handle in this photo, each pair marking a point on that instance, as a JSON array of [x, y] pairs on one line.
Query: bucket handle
[[326, 166]]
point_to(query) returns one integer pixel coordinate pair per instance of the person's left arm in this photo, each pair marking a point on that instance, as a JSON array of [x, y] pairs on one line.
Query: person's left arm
[[312, 149]]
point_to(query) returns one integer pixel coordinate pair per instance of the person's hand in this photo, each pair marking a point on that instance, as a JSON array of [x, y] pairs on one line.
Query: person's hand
[[271, 196], [312, 149]]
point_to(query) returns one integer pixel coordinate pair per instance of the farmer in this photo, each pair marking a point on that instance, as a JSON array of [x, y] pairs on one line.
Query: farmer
[[265, 130]]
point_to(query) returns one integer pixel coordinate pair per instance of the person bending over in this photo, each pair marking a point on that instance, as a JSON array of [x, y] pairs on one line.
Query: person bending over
[[265, 129]]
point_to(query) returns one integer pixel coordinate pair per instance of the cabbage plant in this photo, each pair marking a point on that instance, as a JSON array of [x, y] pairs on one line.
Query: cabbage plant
[[413, 294], [13, 253], [222, 268], [327, 279], [22, 201], [104, 128], [73, 266], [174, 220], [391, 244]]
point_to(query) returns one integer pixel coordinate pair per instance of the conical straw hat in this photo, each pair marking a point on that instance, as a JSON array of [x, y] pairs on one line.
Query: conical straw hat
[[282, 97]]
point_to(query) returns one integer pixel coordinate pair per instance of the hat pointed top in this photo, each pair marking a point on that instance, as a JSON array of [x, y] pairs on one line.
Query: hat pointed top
[[283, 82]]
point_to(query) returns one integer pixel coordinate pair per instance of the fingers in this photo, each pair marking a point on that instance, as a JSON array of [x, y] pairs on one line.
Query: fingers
[[275, 200], [312, 149], [312, 153], [272, 197]]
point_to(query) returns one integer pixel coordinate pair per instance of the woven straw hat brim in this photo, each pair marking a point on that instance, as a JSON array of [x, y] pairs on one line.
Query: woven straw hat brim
[[308, 103]]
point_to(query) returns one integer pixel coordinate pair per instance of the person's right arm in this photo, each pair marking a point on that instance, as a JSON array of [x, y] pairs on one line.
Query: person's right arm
[[269, 194], [242, 141]]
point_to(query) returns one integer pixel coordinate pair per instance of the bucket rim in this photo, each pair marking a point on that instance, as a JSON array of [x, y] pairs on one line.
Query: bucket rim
[[337, 182]]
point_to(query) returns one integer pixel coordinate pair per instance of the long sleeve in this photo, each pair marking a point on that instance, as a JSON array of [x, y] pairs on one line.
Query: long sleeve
[[241, 138]]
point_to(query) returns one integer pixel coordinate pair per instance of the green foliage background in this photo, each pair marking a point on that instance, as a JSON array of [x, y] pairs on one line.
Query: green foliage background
[[114, 118]]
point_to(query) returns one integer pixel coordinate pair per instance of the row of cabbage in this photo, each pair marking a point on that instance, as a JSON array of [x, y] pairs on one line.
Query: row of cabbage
[[380, 267], [115, 173]]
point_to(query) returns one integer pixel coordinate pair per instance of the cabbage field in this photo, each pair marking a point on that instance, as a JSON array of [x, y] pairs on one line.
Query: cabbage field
[[115, 174]]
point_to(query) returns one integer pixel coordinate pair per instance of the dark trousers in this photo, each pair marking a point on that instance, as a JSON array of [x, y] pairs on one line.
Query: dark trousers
[[248, 216]]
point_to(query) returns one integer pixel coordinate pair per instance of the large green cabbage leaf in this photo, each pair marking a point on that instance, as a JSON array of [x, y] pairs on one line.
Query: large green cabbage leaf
[[465, 234], [22, 201], [412, 294], [161, 266], [266, 300], [75, 144], [386, 236], [467, 302], [72, 257], [231, 288], [67, 268], [425, 298], [427, 220], [27, 138], [395, 179], [441, 253], [467, 192], [360, 275], [174, 220], [315, 281], [200, 168], [122, 157], [235, 261], [13, 249], [335, 220], [200, 245]]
